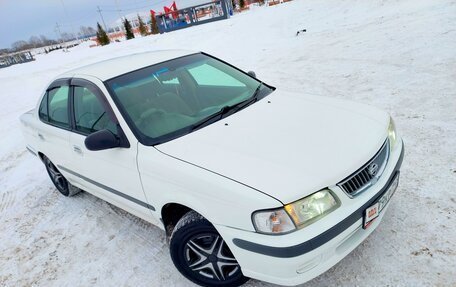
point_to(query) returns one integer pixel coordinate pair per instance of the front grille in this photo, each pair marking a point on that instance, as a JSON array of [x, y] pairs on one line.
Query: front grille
[[367, 175]]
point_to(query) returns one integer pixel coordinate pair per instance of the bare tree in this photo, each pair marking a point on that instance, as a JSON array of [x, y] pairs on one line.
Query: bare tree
[[87, 31], [20, 45], [67, 36], [84, 31], [45, 41], [91, 31], [35, 41]]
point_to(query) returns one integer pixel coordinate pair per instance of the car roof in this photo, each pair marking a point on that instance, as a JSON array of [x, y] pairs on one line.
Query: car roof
[[111, 68]]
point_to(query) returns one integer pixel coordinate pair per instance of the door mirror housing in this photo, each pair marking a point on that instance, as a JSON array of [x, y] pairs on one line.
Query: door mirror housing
[[102, 140], [252, 73]]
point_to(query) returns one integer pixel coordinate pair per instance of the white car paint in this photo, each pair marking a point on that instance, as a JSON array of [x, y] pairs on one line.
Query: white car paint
[[117, 66], [272, 153], [284, 271], [278, 153]]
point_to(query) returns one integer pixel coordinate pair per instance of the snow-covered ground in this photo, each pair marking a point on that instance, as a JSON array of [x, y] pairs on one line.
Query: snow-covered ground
[[396, 55]]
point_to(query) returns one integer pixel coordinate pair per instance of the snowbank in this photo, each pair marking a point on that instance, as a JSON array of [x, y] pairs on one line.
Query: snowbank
[[396, 55]]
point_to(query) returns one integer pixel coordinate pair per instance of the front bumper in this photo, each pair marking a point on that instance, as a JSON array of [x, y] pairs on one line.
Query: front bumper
[[300, 256]]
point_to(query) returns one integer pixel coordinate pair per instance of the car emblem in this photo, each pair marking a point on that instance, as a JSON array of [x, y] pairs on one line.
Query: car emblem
[[372, 169]]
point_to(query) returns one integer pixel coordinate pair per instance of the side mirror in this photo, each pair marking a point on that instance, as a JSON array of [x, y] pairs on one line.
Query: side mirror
[[252, 73], [101, 140]]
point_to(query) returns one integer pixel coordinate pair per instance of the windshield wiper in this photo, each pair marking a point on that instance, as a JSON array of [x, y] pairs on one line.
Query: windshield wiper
[[226, 109], [254, 96], [218, 115]]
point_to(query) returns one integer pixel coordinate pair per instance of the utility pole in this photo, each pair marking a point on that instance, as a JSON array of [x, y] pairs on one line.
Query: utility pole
[[118, 10], [102, 19], [72, 26], [57, 30]]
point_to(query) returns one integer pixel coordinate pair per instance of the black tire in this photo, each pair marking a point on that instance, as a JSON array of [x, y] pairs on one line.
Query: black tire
[[201, 255], [59, 181]]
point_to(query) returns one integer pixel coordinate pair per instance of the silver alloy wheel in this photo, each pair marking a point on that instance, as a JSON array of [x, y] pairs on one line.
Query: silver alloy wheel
[[209, 256], [56, 177]]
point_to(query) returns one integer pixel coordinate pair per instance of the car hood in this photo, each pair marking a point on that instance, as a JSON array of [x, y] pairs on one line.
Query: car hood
[[287, 145]]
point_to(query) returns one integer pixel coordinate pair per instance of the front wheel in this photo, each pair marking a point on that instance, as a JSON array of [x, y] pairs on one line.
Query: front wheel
[[59, 181], [201, 254]]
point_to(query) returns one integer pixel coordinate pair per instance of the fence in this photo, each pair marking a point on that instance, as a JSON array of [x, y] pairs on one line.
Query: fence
[[16, 58]]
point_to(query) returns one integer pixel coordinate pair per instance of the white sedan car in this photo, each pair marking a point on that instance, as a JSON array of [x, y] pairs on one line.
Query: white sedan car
[[245, 179]]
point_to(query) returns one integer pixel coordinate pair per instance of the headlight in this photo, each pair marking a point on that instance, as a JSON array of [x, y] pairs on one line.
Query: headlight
[[392, 134], [312, 208], [297, 214]]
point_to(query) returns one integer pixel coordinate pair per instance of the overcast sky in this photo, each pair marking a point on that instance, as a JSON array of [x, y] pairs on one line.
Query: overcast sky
[[20, 19]]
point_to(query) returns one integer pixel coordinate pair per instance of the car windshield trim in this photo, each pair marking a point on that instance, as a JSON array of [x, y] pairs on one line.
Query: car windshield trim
[[261, 91]]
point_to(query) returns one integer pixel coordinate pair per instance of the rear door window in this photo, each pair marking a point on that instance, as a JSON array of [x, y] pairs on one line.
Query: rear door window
[[43, 112], [58, 106]]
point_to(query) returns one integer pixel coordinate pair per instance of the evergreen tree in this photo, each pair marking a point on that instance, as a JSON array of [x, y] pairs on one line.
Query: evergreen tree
[[128, 32], [153, 25], [142, 27], [242, 3], [102, 37]]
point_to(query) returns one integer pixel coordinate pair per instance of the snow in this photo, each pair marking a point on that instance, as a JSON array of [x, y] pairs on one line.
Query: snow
[[396, 55]]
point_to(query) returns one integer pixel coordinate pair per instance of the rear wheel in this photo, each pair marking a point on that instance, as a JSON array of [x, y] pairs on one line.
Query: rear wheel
[[201, 254], [59, 181]]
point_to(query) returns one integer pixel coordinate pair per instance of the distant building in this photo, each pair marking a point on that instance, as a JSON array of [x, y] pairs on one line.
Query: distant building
[[118, 26]]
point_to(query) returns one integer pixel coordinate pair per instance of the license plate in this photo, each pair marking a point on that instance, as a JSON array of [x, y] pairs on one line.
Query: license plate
[[373, 211]]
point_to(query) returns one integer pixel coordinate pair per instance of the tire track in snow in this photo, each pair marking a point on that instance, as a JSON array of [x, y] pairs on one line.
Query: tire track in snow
[[7, 199], [11, 160]]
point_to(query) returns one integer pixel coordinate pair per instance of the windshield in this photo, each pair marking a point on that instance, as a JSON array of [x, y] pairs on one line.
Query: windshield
[[168, 100]]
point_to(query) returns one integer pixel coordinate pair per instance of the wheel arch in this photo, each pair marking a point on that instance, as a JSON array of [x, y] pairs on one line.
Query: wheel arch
[[171, 213]]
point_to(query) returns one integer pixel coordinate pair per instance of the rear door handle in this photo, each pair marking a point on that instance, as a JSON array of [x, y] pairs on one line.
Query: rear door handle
[[77, 150], [41, 137]]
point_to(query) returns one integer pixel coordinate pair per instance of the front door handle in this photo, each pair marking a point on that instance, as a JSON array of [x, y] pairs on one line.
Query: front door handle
[[77, 150]]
